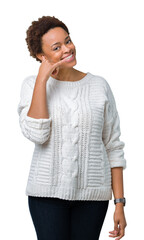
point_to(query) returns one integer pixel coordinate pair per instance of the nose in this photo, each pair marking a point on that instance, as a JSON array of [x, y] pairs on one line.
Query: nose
[[65, 49]]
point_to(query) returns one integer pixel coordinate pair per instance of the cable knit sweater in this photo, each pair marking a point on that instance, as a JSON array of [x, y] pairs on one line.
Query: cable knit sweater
[[76, 147]]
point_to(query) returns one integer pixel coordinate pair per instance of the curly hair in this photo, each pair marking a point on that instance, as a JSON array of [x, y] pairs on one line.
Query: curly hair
[[37, 29]]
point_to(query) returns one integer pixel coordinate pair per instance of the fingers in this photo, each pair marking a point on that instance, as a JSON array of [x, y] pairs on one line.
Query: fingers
[[114, 233], [119, 225], [121, 233], [118, 233], [55, 72], [60, 62], [54, 66]]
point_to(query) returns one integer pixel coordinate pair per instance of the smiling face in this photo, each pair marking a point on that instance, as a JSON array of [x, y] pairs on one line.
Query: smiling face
[[56, 45]]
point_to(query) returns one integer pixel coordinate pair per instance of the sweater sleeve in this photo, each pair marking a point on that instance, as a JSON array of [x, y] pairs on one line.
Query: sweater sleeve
[[36, 130], [111, 132]]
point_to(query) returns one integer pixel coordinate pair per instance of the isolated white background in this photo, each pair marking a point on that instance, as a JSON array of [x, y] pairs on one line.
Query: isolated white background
[[109, 39]]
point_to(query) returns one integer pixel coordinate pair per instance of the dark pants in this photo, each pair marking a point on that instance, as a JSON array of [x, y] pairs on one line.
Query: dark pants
[[59, 219]]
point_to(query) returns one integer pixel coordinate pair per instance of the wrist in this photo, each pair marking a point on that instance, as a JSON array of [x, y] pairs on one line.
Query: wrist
[[119, 209], [42, 79], [119, 205], [120, 202]]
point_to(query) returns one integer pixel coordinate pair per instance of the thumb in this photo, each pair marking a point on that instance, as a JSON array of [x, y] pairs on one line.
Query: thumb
[[55, 71], [56, 66]]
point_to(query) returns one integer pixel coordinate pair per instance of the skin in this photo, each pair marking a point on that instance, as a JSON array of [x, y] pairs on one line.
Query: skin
[[51, 58], [118, 192], [65, 72]]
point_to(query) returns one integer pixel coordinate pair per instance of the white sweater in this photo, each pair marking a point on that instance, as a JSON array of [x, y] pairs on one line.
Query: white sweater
[[76, 147]]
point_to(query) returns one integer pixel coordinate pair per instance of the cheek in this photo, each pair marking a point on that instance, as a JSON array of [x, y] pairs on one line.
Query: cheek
[[55, 57], [74, 48]]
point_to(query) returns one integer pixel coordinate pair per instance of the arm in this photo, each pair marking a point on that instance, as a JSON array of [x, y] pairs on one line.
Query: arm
[[38, 108], [114, 148], [117, 184], [111, 132], [36, 125], [118, 191]]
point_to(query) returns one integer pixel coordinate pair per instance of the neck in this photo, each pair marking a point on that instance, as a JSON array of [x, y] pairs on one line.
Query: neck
[[65, 74]]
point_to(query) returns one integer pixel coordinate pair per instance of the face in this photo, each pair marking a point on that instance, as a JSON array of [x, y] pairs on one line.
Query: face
[[56, 45]]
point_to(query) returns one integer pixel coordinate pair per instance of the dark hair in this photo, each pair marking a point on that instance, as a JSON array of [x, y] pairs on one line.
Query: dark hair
[[37, 30]]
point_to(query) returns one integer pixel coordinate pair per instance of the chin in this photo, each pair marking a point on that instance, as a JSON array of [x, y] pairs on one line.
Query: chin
[[69, 64], [73, 63]]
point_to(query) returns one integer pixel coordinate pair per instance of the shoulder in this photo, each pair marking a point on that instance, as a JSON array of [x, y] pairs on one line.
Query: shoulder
[[105, 87], [101, 81], [27, 86], [29, 81]]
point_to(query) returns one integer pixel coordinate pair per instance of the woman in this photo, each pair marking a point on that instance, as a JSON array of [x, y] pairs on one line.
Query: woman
[[78, 158]]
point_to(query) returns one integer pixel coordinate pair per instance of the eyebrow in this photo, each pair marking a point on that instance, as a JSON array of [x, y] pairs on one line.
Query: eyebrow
[[59, 42]]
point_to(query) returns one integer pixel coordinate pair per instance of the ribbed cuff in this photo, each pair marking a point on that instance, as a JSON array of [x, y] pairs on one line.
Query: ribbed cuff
[[41, 123], [118, 163]]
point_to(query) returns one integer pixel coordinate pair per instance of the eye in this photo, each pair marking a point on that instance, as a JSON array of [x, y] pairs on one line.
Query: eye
[[55, 48], [69, 40], [58, 47]]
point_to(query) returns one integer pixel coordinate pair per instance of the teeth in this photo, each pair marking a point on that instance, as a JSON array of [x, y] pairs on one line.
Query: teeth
[[69, 56]]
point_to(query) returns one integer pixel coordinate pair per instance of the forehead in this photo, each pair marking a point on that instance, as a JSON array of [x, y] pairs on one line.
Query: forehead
[[54, 35]]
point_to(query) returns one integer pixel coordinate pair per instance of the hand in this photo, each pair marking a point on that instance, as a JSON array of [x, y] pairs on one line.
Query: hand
[[47, 68], [119, 219]]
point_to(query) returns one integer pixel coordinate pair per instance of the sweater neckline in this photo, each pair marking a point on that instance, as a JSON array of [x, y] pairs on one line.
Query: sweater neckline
[[52, 80]]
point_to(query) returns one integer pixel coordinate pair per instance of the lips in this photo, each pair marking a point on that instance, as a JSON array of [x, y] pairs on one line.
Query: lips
[[67, 56]]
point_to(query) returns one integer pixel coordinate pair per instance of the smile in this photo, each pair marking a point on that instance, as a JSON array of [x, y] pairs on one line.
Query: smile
[[69, 58]]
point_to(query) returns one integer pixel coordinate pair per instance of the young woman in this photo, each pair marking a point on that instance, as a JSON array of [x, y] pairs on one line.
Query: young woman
[[78, 159]]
